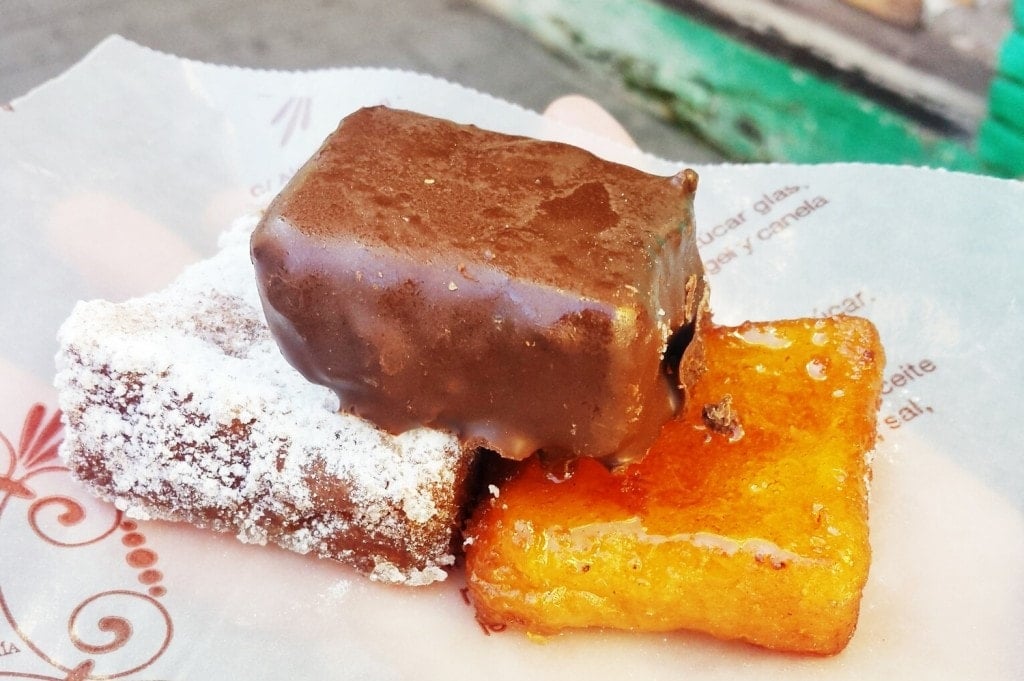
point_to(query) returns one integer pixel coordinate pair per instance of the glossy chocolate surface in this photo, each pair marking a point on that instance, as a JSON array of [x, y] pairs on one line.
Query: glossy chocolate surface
[[519, 292]]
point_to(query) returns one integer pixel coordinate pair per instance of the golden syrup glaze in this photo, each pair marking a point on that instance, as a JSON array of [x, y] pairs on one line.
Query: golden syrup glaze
[[763, 538]]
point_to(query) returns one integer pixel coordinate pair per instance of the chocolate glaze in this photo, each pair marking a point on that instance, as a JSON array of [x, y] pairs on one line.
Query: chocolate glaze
[[519, 292]]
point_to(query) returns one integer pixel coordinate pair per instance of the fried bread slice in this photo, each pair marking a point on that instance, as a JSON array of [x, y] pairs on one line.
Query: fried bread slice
[[178, 405], [747, 519]]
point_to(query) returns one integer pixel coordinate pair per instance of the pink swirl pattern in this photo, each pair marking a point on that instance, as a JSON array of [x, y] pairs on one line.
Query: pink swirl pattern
[[102, 623], [73, 514], [119, 628]]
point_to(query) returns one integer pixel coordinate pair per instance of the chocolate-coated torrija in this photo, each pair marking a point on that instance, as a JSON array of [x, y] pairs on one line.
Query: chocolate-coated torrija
[[521, 293]]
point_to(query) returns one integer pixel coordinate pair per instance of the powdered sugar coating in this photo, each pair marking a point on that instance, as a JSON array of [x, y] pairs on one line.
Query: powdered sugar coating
[[179, 405]]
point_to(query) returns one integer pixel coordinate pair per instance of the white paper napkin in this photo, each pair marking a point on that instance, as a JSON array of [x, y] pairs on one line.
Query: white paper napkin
[[126, 168]]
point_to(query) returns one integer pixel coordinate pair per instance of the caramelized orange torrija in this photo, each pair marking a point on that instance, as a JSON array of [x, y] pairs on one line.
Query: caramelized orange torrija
[[747, 519]]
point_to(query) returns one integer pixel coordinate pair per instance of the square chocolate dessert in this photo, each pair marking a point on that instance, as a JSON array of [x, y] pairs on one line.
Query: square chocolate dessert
[[521, 293]]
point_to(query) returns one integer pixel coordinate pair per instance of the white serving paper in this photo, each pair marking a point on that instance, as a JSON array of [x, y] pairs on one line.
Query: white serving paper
[[126, 168]]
